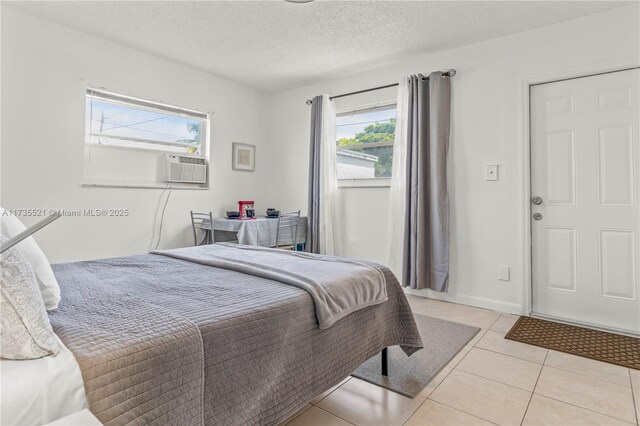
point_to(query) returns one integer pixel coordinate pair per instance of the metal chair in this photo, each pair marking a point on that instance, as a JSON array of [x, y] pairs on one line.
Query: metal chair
[[204, 223], [288, 222]]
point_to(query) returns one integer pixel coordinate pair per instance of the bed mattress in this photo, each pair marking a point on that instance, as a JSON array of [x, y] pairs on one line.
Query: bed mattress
[[39, 391], [167, 341]]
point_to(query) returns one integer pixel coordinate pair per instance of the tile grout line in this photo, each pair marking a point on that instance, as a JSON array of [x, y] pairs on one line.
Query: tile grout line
[[633, 399], [300, 412], [485, 310], [607, 364], [481, 337], [414, 411], [533, 392], [462, 411], [589, 377], [498, 381], [539, 374], [336, 387], [486, 378], [495, 381], [311, 404], [589, 409], [580, 406], [494, 323], [475, 345], [334, 414], [442, 381], [512, 356], [583, 408], [551, 366], [426, 398], [438, 385], [507, 355], [457, 321]]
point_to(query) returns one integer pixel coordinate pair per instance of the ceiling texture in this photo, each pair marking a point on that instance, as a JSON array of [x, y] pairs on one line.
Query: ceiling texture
[[275, 45]]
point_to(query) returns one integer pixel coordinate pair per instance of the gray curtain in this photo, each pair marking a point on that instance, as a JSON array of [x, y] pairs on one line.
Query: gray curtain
[[426, 242], [313, 228]]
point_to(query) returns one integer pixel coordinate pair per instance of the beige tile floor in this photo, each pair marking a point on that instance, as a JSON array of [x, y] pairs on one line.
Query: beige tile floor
[[491, 381]]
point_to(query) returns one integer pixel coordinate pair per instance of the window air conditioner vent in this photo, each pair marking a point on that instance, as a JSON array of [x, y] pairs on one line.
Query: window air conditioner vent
[[184, 169]]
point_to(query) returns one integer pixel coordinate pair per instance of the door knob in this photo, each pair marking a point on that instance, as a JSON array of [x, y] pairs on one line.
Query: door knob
[[536, 200], [537, 216]]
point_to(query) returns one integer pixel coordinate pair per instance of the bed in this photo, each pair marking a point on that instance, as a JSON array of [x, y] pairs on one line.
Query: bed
[[37, 391], [167, 338]]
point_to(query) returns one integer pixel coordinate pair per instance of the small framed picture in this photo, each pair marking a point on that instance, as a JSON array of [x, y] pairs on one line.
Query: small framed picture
[[244, 157]]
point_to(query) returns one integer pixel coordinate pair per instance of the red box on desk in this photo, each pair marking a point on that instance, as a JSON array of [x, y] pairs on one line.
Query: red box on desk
[[243, 206]]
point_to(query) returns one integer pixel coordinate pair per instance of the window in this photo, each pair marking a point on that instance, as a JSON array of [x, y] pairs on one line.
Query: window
[[125, 122], [365, 143]]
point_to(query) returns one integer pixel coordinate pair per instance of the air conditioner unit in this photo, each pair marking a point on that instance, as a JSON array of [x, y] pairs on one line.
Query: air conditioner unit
[[184, 169]]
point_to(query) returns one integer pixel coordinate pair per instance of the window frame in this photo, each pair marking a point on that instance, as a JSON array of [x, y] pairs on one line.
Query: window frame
[[152, 106], [375, 182]]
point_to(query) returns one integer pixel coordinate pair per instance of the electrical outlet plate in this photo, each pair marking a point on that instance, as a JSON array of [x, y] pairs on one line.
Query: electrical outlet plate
[[491, 172], [504, 273]]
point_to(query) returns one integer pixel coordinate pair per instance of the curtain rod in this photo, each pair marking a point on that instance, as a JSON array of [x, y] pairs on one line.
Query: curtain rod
[[449, 73]]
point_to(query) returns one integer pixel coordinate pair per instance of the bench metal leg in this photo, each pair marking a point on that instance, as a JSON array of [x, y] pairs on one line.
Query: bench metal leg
[[385, 363]]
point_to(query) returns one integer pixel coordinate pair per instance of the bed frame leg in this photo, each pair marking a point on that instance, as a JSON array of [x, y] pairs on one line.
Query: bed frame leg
[[385, 363]]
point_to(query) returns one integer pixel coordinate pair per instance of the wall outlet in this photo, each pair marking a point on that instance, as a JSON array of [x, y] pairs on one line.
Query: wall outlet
[[491, 172], [503, 273]]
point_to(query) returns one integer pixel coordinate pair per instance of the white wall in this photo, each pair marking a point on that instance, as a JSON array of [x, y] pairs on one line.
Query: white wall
[[46, 68], [487, 218], [45, 71]]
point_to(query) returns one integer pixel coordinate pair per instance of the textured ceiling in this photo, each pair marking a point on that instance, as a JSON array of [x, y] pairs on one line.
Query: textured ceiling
[[276, 45]]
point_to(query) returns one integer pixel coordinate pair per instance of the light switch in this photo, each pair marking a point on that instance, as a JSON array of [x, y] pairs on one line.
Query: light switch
[[491, 172], [503, 273]]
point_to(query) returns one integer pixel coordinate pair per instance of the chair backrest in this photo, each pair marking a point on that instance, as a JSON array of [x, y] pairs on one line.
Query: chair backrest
[[203, 222], [288, 221]]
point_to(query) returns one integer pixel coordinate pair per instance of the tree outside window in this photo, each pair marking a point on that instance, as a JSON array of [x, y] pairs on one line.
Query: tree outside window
[[365, 143]]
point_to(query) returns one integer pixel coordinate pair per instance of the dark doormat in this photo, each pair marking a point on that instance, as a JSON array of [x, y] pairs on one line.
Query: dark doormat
[[409, 375], [599, 345]]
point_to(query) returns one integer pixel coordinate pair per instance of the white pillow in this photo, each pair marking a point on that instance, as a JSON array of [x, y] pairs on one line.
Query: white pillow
[[25, 330], [12, 226]]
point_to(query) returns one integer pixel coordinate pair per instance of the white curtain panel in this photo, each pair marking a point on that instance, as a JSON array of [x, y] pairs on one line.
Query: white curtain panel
[[398, 192], [330, 240]]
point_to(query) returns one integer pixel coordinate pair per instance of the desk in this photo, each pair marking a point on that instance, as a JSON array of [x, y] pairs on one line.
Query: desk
[[260, 231]]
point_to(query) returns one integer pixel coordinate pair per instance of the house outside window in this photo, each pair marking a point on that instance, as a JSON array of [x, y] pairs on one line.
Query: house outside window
[[365, 140]]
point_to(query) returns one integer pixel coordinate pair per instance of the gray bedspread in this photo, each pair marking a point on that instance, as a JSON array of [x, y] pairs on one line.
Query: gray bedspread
[[337, 285], [161, 340]]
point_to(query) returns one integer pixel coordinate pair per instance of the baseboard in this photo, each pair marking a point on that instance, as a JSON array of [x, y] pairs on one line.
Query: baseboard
[[463, 299]]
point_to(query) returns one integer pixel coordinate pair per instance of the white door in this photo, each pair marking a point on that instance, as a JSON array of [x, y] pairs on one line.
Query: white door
[[585, 169]]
